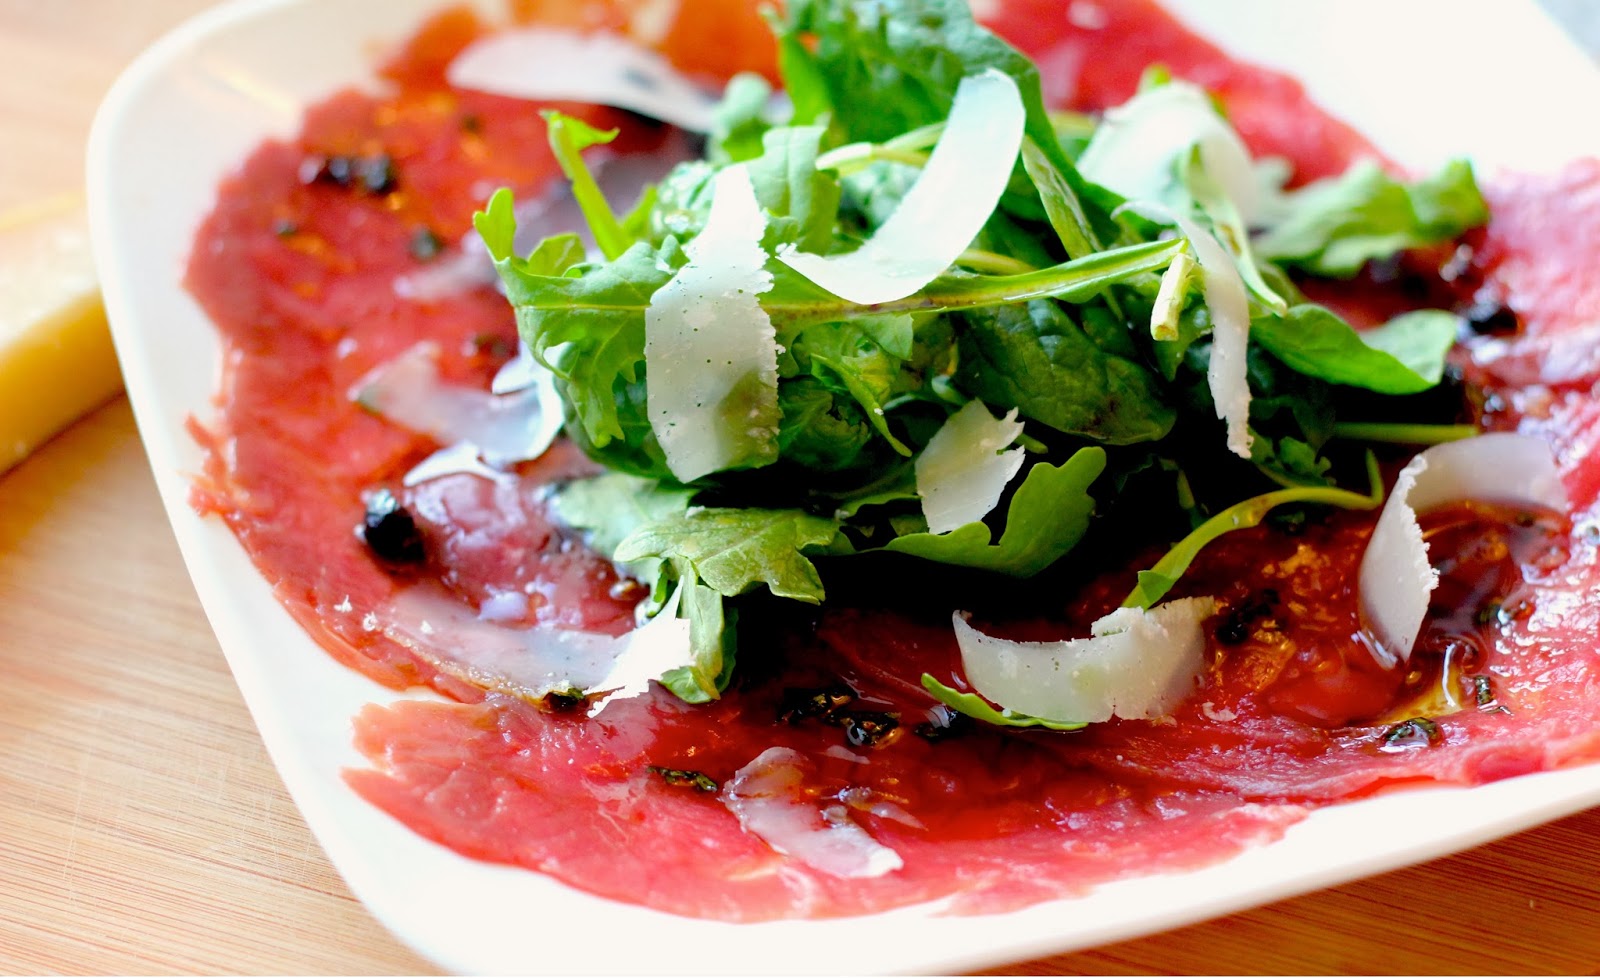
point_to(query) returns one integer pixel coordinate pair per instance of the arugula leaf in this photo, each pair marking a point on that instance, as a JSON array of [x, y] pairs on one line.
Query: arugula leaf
[[569, 137], [1062, 204], [1333, 227], [1404, 356], [682, 201], [610, 506], [1034, 358], [890, 66], [555, 255], [1159, 579], [801, 201], [587, 326], [739, 120], [734, 550], [620, 291], [822, 429], [713, 640], [496, 224], [852, 353], [975, 706], [1047, 517]]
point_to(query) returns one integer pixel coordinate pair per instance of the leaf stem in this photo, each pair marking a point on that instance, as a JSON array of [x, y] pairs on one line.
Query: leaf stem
[[796, 300], [1158, 580], [906, 148], [1403, 434], [987, 261]]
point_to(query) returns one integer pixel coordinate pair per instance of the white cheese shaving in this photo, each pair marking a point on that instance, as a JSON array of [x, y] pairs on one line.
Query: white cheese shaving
[[1396, 579], [710, 349], [965, 468], [647, 653], [529, 662], [1138, 665], [1229, 304], [943, 211], [533, 662], [1137, 147], [770, 798], [505, 429], [551, 64]]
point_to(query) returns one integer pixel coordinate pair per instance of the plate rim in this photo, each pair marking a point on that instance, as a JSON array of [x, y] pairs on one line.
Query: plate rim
[[209, 549]]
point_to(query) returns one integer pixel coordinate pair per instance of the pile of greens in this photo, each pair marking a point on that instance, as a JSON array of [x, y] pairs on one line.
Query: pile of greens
[[1086, 317]]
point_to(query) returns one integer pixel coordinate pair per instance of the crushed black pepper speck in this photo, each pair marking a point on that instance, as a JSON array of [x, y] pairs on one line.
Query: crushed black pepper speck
[[285, 228], [1410, 734], [684, 779], [390, 532]]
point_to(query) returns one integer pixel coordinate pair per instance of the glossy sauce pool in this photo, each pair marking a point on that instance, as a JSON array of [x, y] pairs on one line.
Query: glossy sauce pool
[[299, 265]]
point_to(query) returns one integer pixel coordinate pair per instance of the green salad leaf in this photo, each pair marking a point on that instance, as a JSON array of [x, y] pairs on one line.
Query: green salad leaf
[[734, 550], [975, 706], [1046, 519], [1334, 227], [1084, 312], [1403, 356]]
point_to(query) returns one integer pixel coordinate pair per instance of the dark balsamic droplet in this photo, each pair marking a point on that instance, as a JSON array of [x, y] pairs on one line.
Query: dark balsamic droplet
[[390, 532], [1490, 318]]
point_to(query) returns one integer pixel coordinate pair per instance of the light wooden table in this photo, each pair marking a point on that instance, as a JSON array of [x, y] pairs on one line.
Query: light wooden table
[[142, 828]]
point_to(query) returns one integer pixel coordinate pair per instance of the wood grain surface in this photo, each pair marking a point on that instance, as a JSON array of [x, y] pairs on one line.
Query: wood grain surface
[[143, 829]]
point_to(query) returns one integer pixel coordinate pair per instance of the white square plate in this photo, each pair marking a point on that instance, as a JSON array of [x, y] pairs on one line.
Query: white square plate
[[194, 105]]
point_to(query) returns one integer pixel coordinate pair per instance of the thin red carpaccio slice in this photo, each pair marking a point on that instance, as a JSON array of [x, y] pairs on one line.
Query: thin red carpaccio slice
[[297, 270], [578, 799]]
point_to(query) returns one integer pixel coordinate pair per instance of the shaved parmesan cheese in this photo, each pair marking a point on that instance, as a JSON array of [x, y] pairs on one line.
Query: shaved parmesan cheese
[[710, 349], [964, 469], [601, 69], [771, 801], [648, 652], [459, 459], [1229, 305], [519, 373], [1396, 579], [505, 429], [526, 662], [1139, 665], [943, 211], [533, 662], [1138, 146]]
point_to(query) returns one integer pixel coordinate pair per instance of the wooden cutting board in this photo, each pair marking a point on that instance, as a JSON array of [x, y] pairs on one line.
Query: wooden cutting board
[[142, 828]]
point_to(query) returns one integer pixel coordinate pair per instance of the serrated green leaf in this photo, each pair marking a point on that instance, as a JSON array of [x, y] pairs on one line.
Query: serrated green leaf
[[735, 550], [1047, 517]]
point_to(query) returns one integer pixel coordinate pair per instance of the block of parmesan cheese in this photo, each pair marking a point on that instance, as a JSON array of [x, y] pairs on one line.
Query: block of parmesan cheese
[[56, 359]]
